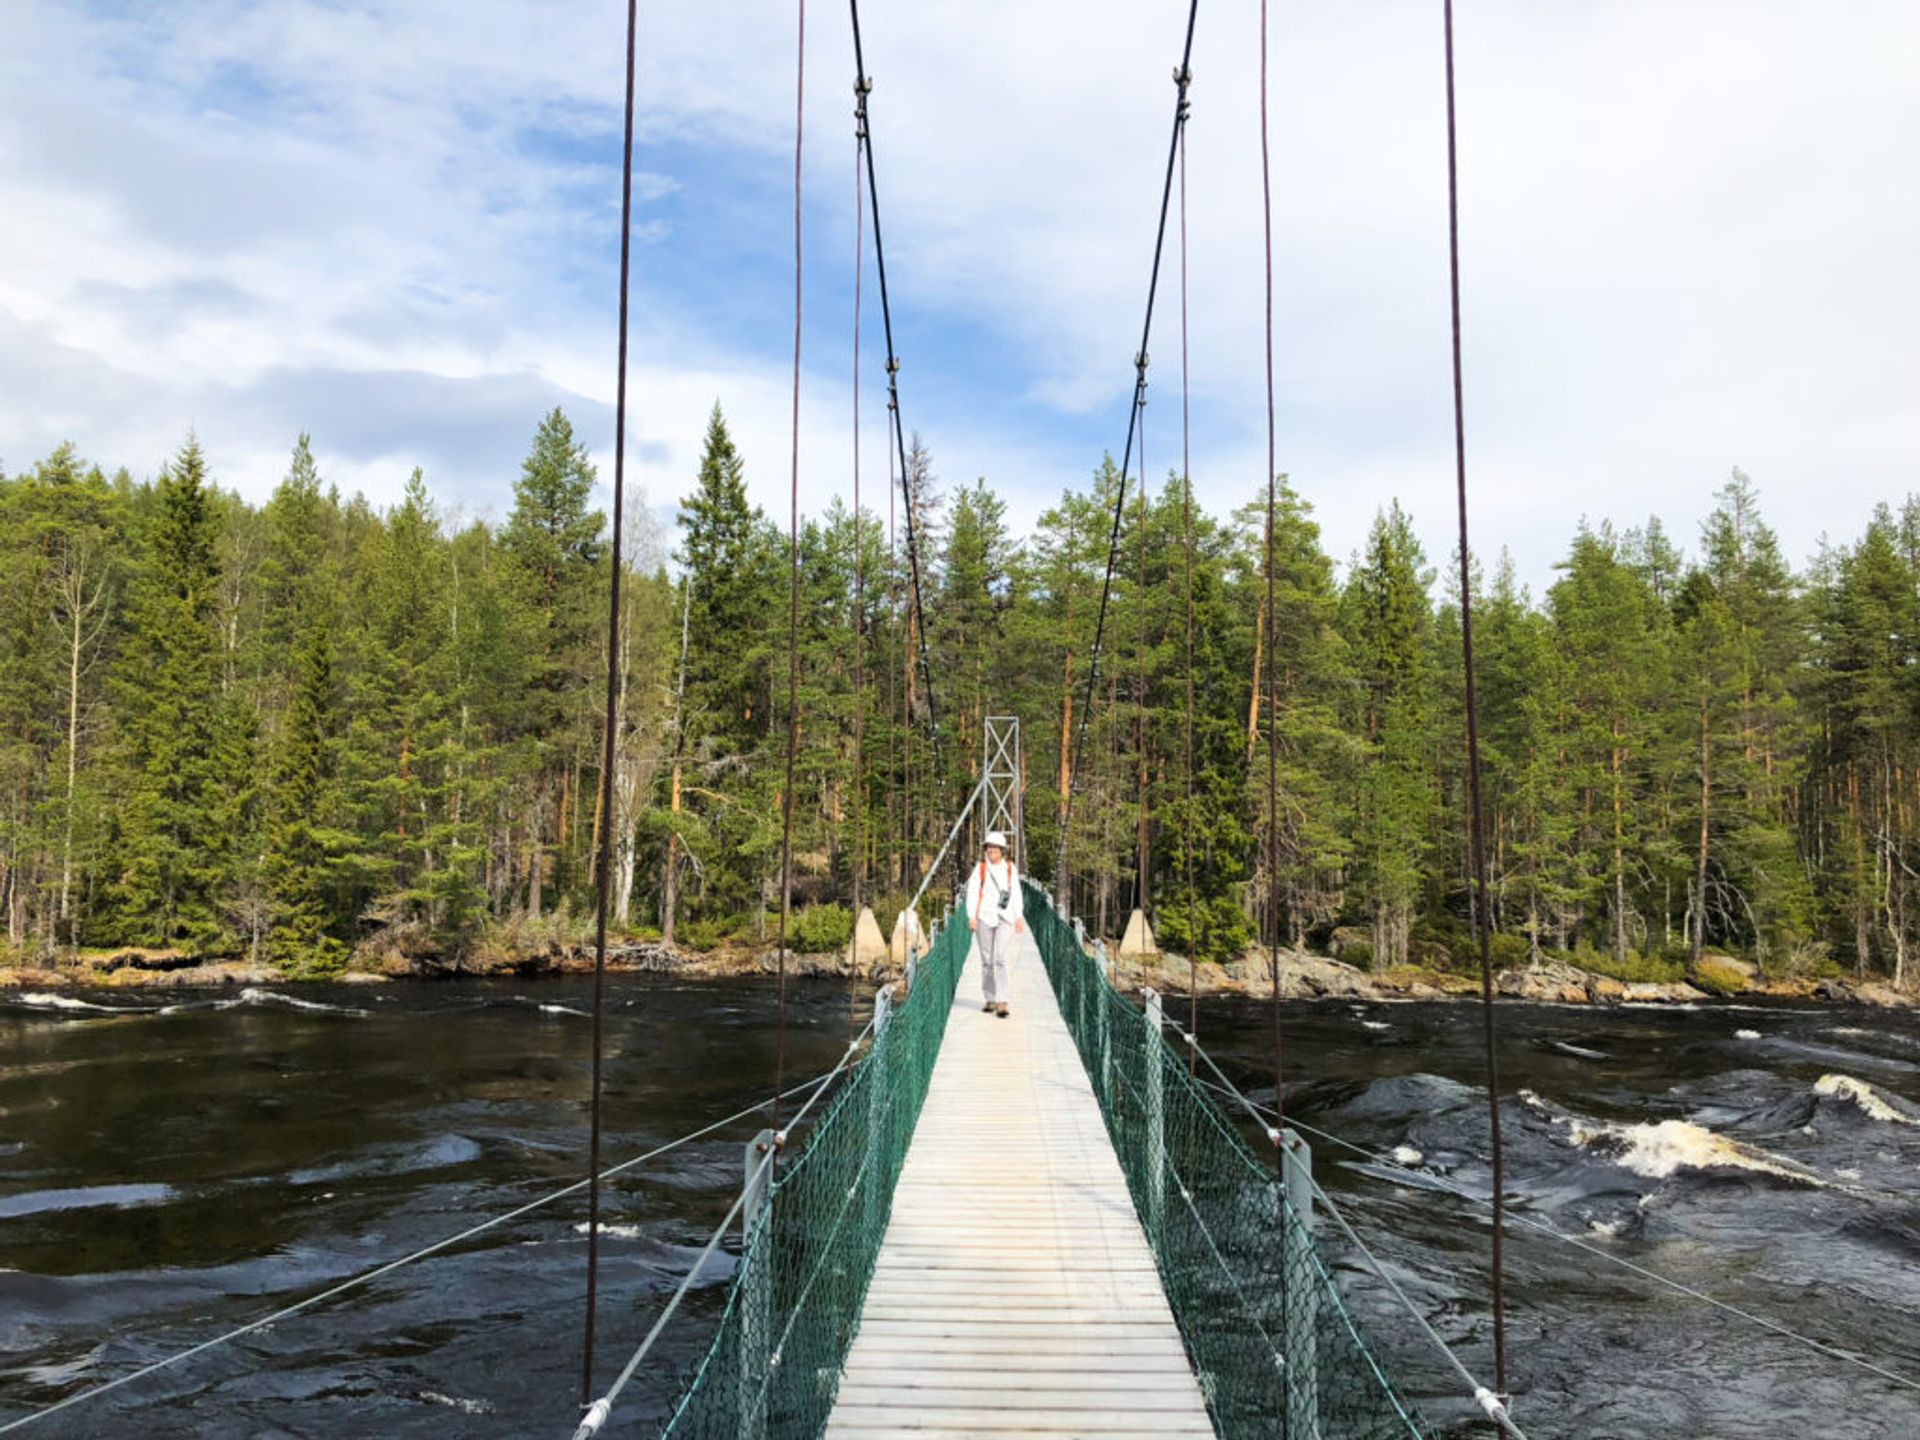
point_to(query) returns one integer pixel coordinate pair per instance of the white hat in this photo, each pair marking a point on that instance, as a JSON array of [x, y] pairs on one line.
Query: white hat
[[996, 839]]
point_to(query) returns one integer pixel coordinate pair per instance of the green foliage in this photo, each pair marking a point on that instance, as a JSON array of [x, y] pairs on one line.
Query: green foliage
[[276, 730], [1717, 977], [173, 854], [1213, 929], [1509, 951], [819, 929], [1635, 969], [709, 934]]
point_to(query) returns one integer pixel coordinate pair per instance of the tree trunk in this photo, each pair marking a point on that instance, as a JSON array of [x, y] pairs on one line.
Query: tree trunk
[[536, 860], [1066, 738], [73, 753], [669, 881], [1700, 859], [1253, 704], [1619, 856]]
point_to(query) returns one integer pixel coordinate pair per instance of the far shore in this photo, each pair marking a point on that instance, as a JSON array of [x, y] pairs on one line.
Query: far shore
[[1303, 976]]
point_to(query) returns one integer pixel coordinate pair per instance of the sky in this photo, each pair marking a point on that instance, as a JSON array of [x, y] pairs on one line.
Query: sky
[[1688, 233]]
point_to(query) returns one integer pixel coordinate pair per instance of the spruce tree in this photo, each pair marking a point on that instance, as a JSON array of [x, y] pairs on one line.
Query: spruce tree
[[174, 853], [1387, 624], [302, 842]]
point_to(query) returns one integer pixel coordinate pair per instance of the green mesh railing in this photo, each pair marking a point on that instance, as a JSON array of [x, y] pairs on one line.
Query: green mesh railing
[[794, 1305], [1278, 1353]]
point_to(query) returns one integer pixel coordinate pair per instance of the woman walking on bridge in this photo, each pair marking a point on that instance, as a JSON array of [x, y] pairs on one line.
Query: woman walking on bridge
[[994, 915]]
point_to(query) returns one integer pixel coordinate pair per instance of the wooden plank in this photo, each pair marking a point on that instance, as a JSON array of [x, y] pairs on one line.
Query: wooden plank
[[982, 1420], [1015, 1295]]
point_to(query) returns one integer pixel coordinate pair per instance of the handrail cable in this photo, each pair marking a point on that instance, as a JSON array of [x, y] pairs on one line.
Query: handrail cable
[[826, 1253], [1476, 816], [1277, 1351], [610, 746], [1493, 1404], [934, 868], [1182, 79], [1442, 1183], [863, 84], [367, 1277], [598, 1412]]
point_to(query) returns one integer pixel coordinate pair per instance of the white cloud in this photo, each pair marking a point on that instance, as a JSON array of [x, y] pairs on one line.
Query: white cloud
[[1687, 235]]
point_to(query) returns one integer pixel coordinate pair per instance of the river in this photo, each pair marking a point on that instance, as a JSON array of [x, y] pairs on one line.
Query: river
[[179, 1163]]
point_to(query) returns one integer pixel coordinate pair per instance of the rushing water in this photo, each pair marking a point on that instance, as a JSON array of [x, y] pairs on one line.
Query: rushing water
[[181, 1165], [1768, 1156]]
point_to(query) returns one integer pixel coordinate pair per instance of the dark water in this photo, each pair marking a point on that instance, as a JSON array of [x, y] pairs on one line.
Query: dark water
[[164, 1176], [167, 1176], [1696, 1143]]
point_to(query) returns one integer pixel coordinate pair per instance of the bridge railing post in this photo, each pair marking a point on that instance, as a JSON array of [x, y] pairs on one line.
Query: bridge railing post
[[879, 1150], [756, 1325], [1104, 1080], [1156, 1117], [1301, 1289]]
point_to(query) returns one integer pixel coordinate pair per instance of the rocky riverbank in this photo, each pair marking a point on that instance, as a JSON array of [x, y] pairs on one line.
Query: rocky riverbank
[[1306, 976], [1303, 976]]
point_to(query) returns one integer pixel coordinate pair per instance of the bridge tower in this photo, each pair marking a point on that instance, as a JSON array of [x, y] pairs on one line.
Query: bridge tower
[[1001, 775]]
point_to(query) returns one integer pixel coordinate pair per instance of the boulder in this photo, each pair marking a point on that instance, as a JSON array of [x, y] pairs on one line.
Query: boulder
[[1746, 967], [1677, 993], [218, 972], [1302, 976], [1345, 936], [1548, 982]]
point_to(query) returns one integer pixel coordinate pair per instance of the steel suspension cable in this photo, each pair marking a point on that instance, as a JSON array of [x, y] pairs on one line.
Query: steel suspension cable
[[1273, 639], [1182, 79], [610, 748], [1140, 878], [1477, 839], [1186, 509], [793, 567], [859, 554], [864, 85], [859, 572]]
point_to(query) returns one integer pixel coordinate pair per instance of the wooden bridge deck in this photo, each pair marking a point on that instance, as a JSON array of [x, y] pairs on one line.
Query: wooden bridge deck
[[1015, 1293]]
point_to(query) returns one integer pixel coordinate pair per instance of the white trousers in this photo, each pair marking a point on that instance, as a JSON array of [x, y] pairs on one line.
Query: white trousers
[[996, 944]]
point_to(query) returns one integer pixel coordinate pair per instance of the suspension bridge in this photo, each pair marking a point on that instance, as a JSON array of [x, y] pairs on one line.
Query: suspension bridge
[[1058, 1227], [1049, 1228]]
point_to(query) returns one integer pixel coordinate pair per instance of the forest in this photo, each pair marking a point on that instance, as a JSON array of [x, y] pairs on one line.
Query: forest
[[311, 728]]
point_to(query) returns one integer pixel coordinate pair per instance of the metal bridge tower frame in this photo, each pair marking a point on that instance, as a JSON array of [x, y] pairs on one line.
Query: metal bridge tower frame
[[1001, 797]]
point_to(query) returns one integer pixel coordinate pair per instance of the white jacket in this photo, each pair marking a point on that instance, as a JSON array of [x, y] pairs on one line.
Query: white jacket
[[985, 886]]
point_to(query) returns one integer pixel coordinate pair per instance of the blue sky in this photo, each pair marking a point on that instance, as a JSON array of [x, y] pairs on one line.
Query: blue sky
[[1688, 230]]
